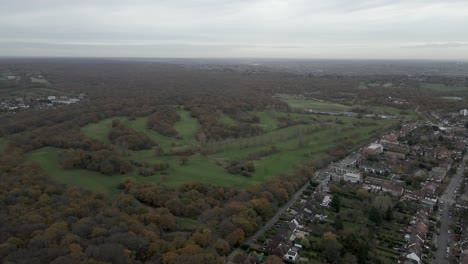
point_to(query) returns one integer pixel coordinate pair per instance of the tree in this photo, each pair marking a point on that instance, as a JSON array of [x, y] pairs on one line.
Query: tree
[[389, 214], [356, 245], [382, 202], [272, 259], [330, 247], [183, 160], [349, 259], [338, 223], [305, 242], [336, 203], [375, 216]]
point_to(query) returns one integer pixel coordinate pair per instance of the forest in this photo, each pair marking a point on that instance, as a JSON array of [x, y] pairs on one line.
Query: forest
[[168, 164]]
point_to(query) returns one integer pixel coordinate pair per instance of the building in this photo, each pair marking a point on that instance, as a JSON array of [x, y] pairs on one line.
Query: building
[[437, 174], [346, 165], [352, 177], [372, 150], [395, 190], [326, 201], [464, 112], [292, 255]]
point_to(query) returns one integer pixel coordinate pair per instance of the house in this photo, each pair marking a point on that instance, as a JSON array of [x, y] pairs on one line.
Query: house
[[372, 187], [394, 189], [372, 150], [349, 164], [280, 250], [293, 225], [390, 138], [414, 195], [441, 153], [51, 98], [394, 155], [326, 201], [464, 112], [437, 174], [413, 257], [352, 177], [373, 169], [291, 255]]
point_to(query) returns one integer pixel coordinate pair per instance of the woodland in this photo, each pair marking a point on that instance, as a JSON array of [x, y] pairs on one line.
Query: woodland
[[167, 164]]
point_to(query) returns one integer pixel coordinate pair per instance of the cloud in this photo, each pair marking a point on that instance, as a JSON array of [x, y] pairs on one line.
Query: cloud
[[276, 28], [442, 45]]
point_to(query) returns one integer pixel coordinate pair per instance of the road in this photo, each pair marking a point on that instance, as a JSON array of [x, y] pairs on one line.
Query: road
[[448, 198], [249, 241], [277, 215]]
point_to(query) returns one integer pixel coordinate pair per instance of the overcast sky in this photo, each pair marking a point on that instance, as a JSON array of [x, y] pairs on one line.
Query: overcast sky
[[379, 29]]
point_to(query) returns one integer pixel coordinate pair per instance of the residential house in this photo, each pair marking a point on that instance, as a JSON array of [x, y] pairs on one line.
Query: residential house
[[394, 155], [396, 190], [372, 150], [437, 174], [326, 200], [291, 255]]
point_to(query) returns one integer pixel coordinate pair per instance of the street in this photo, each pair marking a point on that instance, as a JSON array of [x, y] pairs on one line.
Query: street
[[448, 198]]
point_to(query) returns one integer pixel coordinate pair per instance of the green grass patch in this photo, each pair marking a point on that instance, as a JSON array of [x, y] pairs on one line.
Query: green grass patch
[[299, 101], [453, 98], [210, 169], [3, 143], [228, 120], [268, 120], [186, 127], [440, 87], [187, 223]]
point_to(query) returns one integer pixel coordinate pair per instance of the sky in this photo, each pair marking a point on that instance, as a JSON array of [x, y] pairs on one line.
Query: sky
[[305, 29]]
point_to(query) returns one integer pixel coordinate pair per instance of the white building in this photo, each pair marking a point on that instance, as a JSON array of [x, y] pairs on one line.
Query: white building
[[292, 255], [352, 177], [326, 200], [464, 112], [51, 98]]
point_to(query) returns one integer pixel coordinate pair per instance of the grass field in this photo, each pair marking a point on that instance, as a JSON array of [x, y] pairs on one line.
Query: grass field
[[187, 128], [228, 120], [442, 87], [209, 169], [455, 98], [3, 144], [298, 101]]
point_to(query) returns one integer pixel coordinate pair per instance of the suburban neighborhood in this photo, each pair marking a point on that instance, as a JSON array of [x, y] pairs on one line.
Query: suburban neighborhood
[[415, 180]]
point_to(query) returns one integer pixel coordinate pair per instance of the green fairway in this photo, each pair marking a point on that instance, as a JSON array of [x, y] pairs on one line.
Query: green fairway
[[387, 110], [3, 143], [299, 101], [268, 120], [454, 98], [228, 120], [317, 137], [442, 87], [187, 128]]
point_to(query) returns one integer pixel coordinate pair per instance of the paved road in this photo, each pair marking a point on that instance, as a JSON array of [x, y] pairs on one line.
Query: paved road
[[448, 198], [277, 215], [249, 241]]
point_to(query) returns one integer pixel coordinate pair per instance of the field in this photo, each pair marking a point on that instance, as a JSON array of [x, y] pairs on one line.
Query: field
[[3, 144], [316, 138], [187, 127], [299, 101], [456, 98], [442, 87]]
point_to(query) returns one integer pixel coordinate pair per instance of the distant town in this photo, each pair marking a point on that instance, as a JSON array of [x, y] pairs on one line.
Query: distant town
[[14, 103]]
